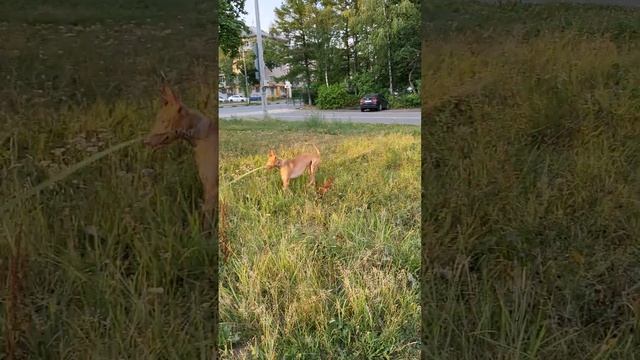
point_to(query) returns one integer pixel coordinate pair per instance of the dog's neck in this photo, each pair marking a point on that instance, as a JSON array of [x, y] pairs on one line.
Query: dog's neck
[[201, 131], [205, 148], [203, 137]]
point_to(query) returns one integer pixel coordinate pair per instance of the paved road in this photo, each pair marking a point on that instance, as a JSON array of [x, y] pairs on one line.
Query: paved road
[[290, 113]]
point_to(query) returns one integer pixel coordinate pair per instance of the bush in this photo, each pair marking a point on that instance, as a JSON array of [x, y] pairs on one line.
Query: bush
[[334, 97], [405, 101]]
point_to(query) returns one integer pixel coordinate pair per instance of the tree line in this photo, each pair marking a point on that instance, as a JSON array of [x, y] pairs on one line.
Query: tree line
[[360, 45]]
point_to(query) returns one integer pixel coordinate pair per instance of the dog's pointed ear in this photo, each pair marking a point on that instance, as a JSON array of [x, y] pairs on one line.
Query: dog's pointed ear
[[169, 96], [163, 94]]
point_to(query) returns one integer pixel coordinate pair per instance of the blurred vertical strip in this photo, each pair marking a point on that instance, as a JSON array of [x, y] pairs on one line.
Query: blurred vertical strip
[[424, 133]]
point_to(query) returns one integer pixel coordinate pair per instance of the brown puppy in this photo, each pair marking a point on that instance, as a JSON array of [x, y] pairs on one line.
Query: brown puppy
[[293, 168], [175, 121]]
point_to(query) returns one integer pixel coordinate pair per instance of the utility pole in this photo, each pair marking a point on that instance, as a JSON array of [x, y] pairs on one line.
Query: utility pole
[[246, 83], [260, 56]]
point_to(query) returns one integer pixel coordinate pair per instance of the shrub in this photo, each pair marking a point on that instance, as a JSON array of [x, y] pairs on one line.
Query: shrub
[[334, 97], [405, 101]]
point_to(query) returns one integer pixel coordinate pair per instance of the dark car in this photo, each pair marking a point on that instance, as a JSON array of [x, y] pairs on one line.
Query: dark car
[[374, 102], [255, 98]]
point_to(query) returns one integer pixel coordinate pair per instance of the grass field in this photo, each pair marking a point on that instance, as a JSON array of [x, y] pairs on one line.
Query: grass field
[[320, 277], [106, 264], [531, 177]]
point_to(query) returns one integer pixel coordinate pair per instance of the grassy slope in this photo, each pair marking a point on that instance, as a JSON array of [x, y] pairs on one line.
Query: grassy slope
[[334, 277], [111, 266], [77, 12], [532, 181]]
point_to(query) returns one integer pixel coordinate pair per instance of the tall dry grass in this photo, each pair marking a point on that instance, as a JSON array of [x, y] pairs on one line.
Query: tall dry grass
[[108, 262], [531, 187]]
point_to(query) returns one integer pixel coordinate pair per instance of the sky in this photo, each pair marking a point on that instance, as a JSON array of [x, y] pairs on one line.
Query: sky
[[267, 16]]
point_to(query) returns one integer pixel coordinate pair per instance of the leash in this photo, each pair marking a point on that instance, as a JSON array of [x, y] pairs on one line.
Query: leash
[[68, 171], [243, 175]]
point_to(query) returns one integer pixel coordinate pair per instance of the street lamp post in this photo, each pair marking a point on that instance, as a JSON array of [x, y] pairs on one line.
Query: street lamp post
[[260, 61]]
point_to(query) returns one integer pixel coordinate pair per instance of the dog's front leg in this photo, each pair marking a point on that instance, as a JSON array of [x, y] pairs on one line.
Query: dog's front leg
[[209, 212], [284, 175], [207, 220]]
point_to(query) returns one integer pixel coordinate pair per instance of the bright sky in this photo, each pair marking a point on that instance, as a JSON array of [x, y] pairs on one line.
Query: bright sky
[[267, 15]]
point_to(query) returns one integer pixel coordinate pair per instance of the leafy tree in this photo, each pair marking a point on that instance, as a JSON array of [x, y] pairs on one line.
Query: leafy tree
[[231, 26], [364, 45], [324, 33], [405, 26], [274, 51], [225, 66], [294, 22], [364, 83]]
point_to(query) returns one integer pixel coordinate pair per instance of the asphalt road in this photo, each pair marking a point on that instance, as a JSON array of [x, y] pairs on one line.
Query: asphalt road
[[289, 113]]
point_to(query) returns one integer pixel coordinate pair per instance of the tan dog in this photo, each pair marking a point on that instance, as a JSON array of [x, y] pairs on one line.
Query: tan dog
[[175, 121], [293, 168]]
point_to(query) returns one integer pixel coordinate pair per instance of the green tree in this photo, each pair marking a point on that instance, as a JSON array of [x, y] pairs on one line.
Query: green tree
[[274, 51], [405, 25], [346, 11], [391, 41], [368, 45], [324, 32], [231, 26], [225, 67], [294, 22]]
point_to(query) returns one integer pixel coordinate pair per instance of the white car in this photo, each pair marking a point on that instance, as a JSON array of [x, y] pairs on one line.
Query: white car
[[222, 98], [236, 98]]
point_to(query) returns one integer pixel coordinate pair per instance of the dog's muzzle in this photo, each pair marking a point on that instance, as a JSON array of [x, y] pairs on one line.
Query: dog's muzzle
[[157, 141]]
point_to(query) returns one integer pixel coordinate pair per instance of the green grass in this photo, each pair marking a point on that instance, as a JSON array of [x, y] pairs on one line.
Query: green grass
[[531, 174], [108, 263], [330, 277]]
